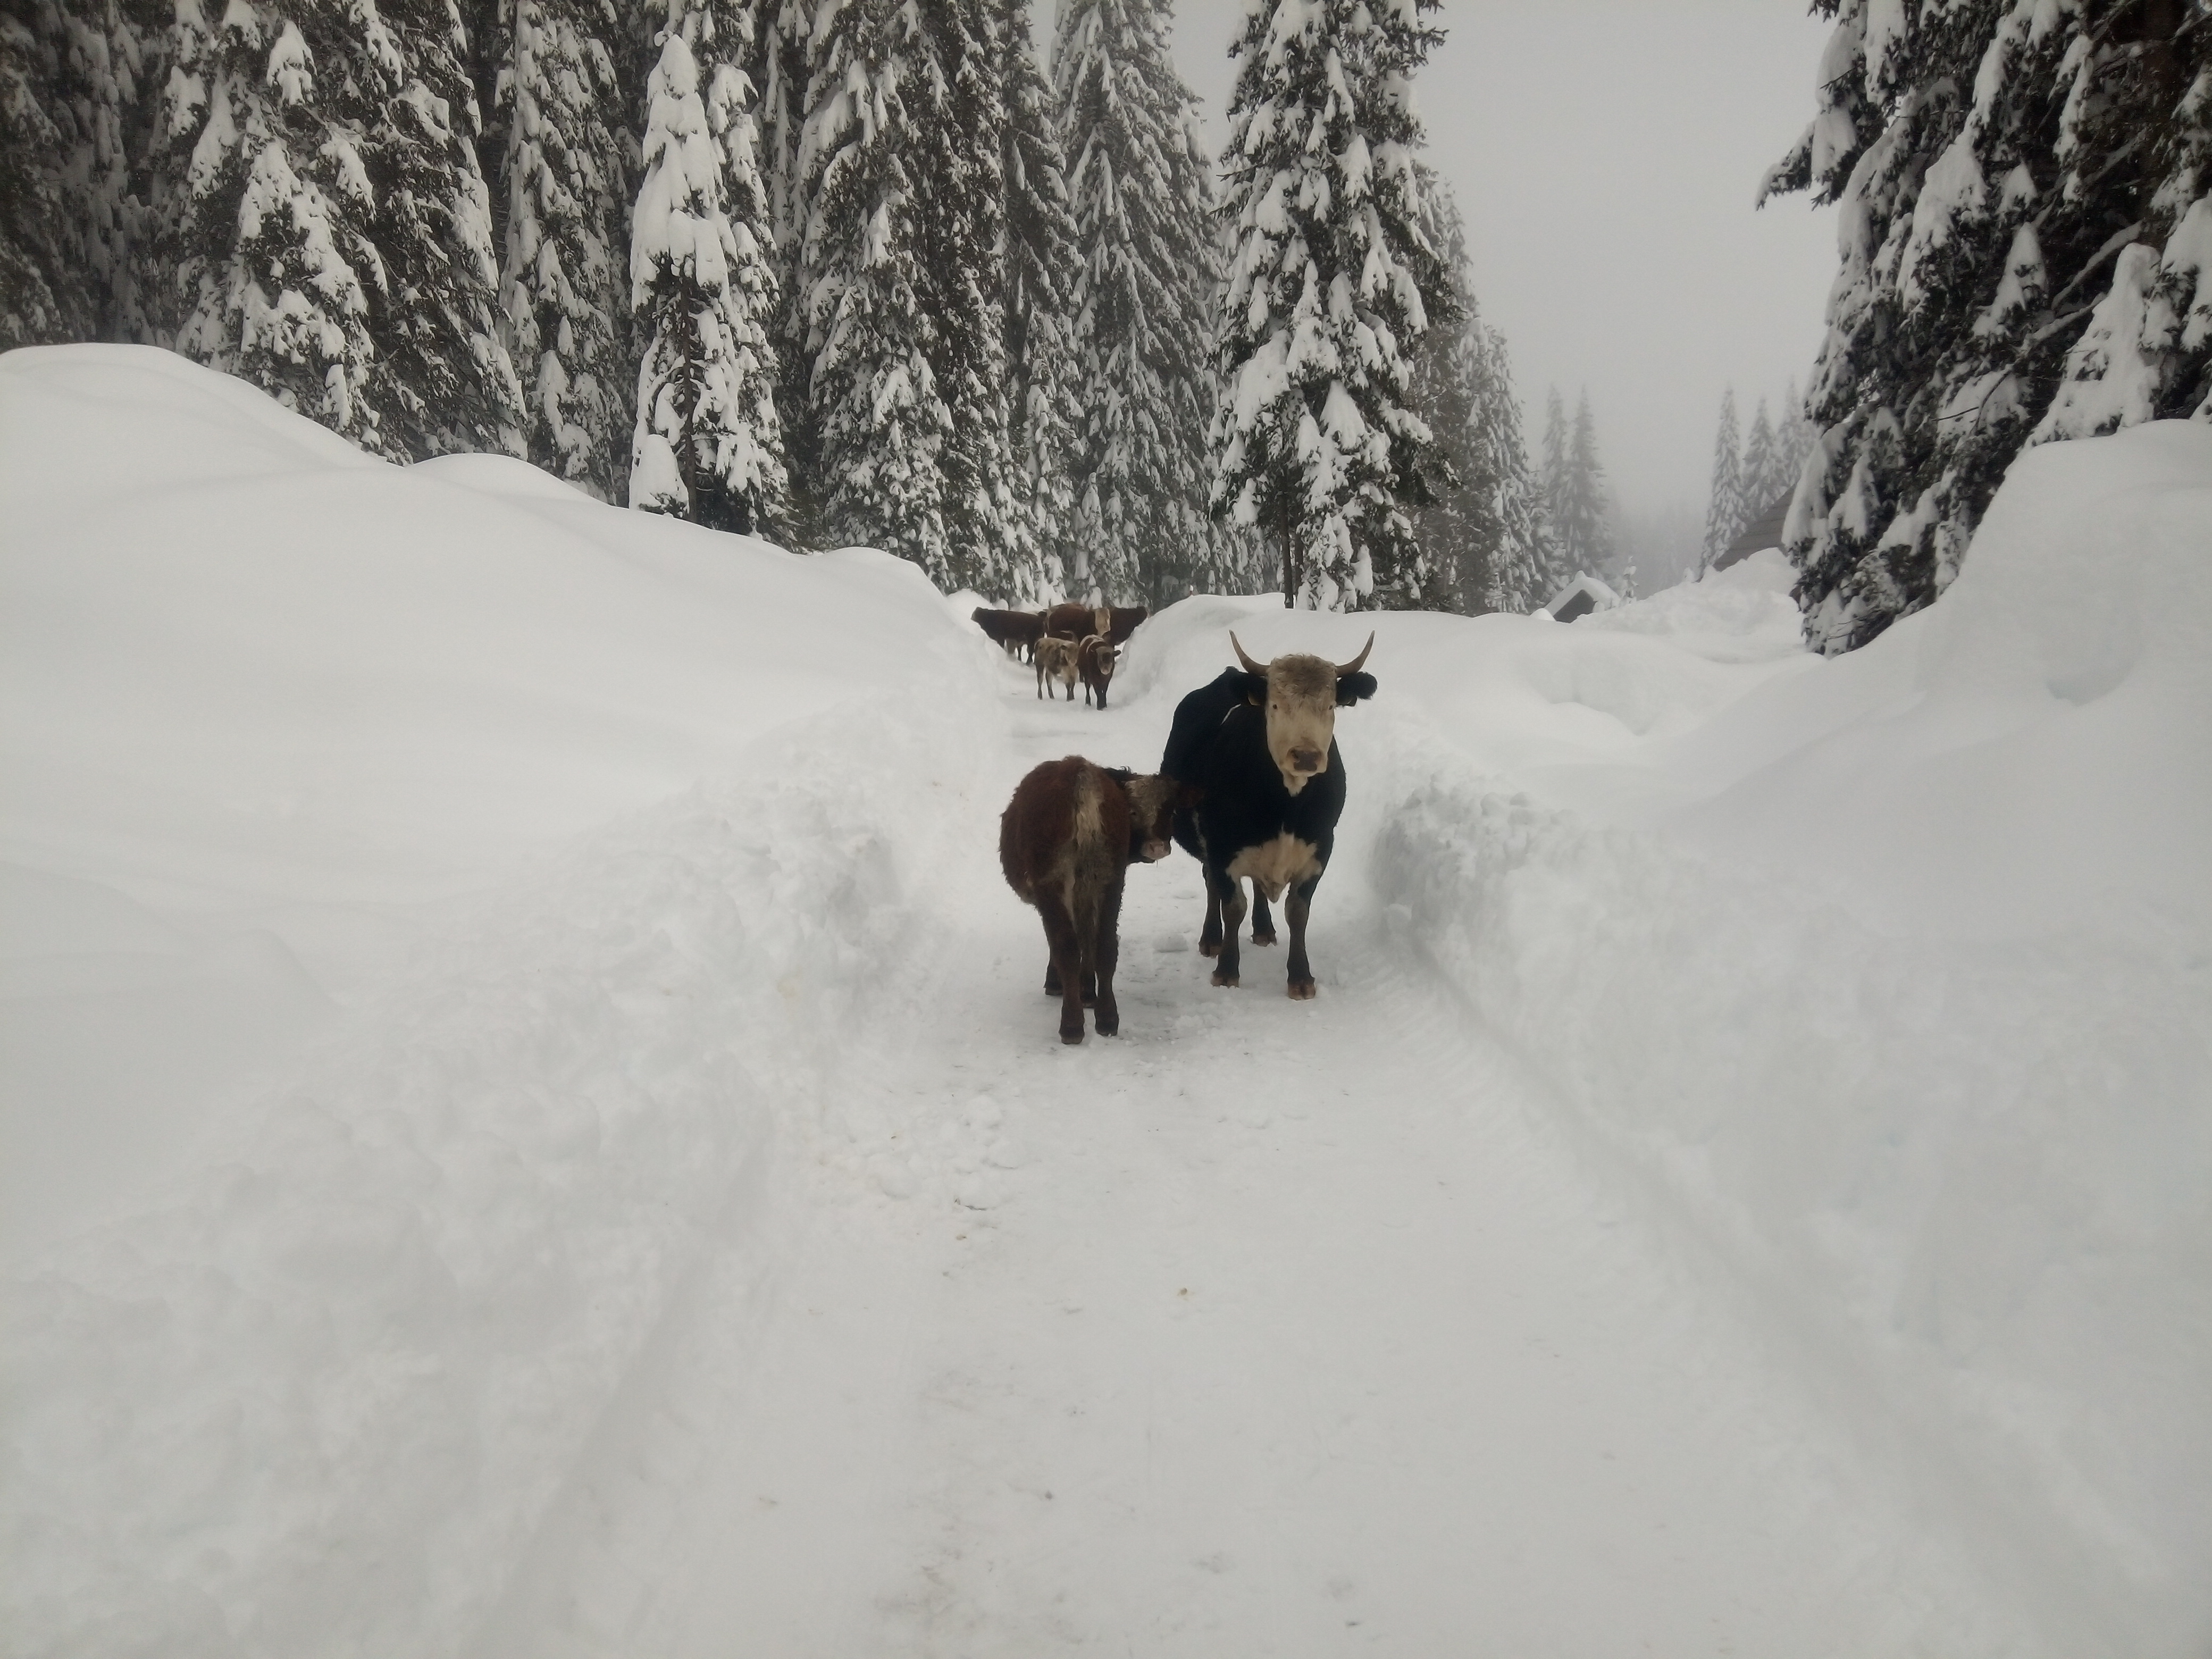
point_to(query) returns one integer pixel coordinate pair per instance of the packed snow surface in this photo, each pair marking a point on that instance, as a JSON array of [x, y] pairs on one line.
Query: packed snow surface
[[532, 1127]]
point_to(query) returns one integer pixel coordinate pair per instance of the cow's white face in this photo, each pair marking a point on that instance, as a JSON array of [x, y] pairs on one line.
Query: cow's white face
[[1300, 701], [1301, 717]]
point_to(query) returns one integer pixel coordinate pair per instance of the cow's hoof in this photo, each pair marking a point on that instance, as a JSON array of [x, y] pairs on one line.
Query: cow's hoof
[[1073, 1037], [1267, 938], [1109, 1028], [1213, 950], [1226, 980], [1302, 990]]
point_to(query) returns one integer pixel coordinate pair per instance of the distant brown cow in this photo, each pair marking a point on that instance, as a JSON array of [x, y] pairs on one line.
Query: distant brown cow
[[1065, 841], [1079, 621], [1013, 630], [1094, 661]]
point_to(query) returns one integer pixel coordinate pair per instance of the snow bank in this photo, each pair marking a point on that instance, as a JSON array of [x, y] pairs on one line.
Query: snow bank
[[1897, 970], [264, 700]]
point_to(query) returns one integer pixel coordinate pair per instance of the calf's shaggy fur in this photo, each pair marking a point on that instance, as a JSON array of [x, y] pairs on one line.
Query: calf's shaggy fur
[[1066, 842]]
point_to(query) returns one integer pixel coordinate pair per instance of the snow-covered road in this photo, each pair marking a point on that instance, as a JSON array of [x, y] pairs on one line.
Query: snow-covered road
[[532, 1127], [1266, 1328]]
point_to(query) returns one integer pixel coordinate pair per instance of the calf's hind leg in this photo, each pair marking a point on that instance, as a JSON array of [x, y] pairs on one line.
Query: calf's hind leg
[[1108, 950], [1066, 964]]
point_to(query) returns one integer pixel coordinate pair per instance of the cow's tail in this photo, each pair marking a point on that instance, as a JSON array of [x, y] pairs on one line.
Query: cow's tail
[[1095, 860]]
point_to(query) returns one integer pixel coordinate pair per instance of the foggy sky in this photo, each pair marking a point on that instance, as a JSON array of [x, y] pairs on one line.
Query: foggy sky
[[1604, 153]]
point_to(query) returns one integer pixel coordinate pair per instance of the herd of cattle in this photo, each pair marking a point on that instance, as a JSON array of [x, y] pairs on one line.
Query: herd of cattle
[[1251, 785], [1067, 642]]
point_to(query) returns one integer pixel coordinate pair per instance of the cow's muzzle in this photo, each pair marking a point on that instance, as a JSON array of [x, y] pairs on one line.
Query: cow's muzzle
[[1156, 850], [1307, 760]]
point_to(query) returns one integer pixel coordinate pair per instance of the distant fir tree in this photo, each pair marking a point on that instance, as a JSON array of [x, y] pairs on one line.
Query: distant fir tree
[[1515, 568], [1553, 490], [1794, 438], [76, 111], [877, 419], [1996, 161], [1762, 470], [565, 195], [1330, 284], [1584, 521], [708, 446], [1437, 567], [1145, 271], [1037, 304], [332, 240], [1724, 508]]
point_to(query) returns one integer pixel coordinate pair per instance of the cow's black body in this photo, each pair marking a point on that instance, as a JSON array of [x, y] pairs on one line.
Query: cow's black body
[[1218, 744]]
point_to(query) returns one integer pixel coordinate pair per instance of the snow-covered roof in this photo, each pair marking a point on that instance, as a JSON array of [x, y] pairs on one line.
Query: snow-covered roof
[[1580, 597]]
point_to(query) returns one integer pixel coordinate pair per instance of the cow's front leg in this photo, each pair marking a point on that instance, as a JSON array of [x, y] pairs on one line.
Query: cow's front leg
[[1209, 936], [1302, 979], [1263, 922], [1108, 1016], [1232, 919], [1066, 963]]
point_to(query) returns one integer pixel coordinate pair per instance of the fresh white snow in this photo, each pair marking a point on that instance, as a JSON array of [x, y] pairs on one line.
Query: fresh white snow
[[532, 1127]]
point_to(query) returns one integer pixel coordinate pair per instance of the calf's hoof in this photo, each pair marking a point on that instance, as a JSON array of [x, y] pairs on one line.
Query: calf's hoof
[[1070, 1037], [1206, 949], [1302, 990], [1109, 1026], [1267, 938], [1226, 980]]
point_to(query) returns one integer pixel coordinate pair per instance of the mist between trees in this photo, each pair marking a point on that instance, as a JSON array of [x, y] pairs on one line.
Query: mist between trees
[[893, 272]]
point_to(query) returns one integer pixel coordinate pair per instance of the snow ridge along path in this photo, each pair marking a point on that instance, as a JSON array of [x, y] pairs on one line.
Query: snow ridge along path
[[1265, 1328]]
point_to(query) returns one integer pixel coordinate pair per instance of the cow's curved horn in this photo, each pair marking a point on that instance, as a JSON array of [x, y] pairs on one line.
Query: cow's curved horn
[[1244, 657], [1357, 663]]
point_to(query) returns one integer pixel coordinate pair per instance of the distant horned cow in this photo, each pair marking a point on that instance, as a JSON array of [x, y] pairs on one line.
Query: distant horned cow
[[1260, 744]]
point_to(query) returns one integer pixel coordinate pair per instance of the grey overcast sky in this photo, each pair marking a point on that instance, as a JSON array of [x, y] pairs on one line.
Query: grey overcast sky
[[1604, 153]]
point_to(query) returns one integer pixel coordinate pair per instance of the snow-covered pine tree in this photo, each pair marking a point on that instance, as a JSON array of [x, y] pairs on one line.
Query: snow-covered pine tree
[[1724, 508], [1584, 524], [2146, 352], [1553, 467], [1444, 561], [274, 233], [75, 125], [1145, 272], [1037, 306], [565, 274], [1517, 566], [1330, 284], [961, 232], [441, 377], [332, 237], [1762, 470], [708, 446], [1793, 439], [878, 419], [1994, 160]]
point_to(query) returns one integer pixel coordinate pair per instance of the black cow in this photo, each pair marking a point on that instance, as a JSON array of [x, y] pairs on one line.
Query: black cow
[[1259, 745]]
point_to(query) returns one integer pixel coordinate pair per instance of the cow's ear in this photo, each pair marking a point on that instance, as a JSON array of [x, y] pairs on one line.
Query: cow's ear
[[1354, 688], [1188, 796], [1256, 690]]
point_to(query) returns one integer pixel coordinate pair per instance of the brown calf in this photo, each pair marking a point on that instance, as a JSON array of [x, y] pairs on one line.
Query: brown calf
[[1055, 660], [1066, 842], [1094, 661]]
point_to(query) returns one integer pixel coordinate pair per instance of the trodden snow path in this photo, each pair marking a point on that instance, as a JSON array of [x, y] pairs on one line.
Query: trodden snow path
[[1267, 1328]]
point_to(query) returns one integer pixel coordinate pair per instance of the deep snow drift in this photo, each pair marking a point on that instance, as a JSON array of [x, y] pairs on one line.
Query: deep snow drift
[[478, 964]]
